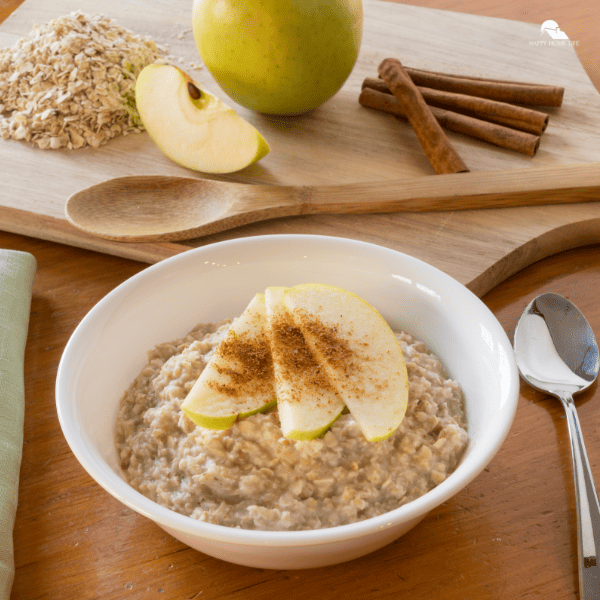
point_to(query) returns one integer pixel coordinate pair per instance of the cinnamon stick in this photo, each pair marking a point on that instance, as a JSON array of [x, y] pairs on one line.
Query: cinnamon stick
[[479, 78], [517, 117], [494, 89], [438, 149], [499, 135]]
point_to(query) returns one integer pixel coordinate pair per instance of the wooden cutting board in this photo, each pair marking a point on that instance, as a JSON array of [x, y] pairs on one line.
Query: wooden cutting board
[[342, 142]]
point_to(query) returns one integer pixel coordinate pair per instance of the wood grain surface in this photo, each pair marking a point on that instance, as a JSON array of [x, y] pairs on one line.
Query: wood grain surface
[[509, 534], [345, 143]]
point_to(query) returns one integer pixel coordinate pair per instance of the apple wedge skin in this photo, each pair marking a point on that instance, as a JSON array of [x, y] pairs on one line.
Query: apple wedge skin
[[307, 402], [359, 351], [238, 379], [263, 409], [304, 434], [217, 423], [211, 422], [200, 133]]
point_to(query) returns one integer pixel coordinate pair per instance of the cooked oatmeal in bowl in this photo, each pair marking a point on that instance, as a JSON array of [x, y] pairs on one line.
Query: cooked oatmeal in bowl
[[107, 355], [250, 476]]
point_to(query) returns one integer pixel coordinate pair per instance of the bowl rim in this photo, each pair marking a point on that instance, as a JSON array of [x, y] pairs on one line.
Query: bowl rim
[[414, 510]]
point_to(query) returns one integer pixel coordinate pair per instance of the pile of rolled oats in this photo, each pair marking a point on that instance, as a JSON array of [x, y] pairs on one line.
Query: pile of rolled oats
[[71, 82]]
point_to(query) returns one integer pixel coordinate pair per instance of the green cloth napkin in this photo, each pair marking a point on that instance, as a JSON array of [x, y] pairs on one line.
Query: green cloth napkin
[[17, 270]]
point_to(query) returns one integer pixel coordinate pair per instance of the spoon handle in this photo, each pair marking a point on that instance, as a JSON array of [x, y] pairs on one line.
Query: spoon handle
[[588, 508]]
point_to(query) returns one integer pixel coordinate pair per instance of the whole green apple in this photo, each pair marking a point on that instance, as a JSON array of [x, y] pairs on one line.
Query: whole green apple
[[281, 57]]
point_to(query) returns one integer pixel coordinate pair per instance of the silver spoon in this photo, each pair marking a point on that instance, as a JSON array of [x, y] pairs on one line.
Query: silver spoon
[[557, 353]]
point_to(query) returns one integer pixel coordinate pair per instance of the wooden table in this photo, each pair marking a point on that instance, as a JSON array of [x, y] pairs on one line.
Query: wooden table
[[509, 534]]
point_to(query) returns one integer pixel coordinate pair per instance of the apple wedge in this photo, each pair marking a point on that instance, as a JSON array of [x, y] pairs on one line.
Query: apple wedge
[[306, 400], [238, 379], [193, 127], [359, 352]]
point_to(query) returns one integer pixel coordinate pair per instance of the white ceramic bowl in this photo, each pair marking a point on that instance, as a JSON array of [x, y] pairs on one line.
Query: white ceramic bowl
[[163, 302]]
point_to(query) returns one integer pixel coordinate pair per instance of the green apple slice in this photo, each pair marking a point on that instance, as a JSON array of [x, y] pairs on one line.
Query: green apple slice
[[238, 379], [193, 127], [306, 400], [359, 352]]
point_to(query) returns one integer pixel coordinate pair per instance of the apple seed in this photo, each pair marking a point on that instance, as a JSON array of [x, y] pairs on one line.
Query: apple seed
[[193, 91]]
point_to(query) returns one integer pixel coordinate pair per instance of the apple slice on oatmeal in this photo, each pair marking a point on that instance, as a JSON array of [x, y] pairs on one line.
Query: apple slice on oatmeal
[[307, 402], [358, 351], [238, 379]]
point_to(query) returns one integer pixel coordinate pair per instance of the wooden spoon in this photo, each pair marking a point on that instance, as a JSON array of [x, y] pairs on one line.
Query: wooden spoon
[[159, 208]]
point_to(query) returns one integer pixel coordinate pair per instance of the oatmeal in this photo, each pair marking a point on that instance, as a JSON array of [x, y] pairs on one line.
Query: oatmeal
[[250, 476], [71, 82]]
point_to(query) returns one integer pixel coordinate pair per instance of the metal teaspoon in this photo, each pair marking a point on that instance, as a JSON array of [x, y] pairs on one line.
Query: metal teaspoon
[[557, 353]]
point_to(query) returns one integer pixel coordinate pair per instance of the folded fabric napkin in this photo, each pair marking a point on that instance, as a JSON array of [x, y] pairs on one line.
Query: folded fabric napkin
[[17, 270]]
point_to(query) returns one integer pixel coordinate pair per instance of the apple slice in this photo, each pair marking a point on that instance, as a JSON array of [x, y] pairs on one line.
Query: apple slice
[[193, 127], [306, 400], [238, 379], [359, 352]]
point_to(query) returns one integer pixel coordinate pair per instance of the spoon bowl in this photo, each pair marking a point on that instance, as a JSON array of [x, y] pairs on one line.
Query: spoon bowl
[[556, 348], [557, 353], [157, 208]]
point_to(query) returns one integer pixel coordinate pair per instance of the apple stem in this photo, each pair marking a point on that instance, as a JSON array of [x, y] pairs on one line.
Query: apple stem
[[194, 92]]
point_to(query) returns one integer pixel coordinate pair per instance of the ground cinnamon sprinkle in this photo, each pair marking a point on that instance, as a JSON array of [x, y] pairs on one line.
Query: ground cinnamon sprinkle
[[295, 360], [329, 344], [249, 366]]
